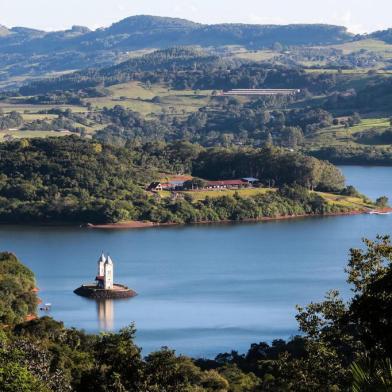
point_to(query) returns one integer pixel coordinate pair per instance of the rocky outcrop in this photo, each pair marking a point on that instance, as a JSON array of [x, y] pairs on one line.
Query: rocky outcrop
[[118, 292]]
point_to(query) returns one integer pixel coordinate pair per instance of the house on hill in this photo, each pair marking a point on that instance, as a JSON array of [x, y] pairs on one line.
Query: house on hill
[[246, 182], [169, 184], [155, 186], [177, 185], [165, 186]]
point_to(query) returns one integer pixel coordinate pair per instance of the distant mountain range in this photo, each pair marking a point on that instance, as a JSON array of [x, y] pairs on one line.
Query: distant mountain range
[[25, 51], [139, 32]]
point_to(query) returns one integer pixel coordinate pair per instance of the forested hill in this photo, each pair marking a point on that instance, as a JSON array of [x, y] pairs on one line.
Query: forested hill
[[151, 66], [139, 32], [383, 35], [60, 180], [35, 53]]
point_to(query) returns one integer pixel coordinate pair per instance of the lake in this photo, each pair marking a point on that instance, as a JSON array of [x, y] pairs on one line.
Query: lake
[[203, 289]]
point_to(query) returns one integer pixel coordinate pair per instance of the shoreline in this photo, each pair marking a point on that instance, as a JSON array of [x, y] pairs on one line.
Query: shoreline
[[142, 225]]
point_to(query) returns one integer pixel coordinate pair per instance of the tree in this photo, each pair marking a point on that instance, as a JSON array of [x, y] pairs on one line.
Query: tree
[[382, 202], [370, 271], [15, 378], [277, 47], [372, 376], [195, 183]]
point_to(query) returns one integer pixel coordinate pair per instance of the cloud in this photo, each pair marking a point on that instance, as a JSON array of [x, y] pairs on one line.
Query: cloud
[[346, 19], [255, 19]]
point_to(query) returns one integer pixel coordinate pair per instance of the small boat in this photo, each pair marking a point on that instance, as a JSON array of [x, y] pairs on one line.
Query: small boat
[[46, 307], [380, 213]]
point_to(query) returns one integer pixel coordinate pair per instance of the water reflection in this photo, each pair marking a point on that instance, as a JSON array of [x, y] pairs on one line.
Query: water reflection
[[105, 314]]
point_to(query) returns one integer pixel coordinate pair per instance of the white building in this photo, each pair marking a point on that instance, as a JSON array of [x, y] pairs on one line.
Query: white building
[[105, 273], [101, 265]]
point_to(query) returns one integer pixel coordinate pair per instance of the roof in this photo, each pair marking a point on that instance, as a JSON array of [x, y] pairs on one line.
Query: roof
[[250, 179], [102, 258], [182, 178], [100, 278], [109, 260], [178, 183], [225, 182], [166, 185], [154, 184]]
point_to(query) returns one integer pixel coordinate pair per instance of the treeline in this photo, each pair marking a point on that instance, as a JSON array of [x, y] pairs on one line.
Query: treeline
[[65, 120], [343, 346], [155, 65], [269, 165], [11, 120], [288, 201], [374, 96], [225, 122], [374, 137], [367, 155], [77, 181], [274, 166], [185, 68], [34, 53], [67, 180], [330, 58]]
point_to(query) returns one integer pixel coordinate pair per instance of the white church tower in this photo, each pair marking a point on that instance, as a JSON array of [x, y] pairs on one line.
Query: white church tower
[[101, 265], [108, 274]]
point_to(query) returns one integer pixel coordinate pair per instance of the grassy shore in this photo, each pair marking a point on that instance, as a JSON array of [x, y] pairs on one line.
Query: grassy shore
[[354, 203]]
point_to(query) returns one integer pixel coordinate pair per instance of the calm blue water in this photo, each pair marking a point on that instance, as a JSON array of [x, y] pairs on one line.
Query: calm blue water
[[202, 289]]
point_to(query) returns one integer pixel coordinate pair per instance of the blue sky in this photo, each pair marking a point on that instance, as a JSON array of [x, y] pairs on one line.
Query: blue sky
[[358, 15]]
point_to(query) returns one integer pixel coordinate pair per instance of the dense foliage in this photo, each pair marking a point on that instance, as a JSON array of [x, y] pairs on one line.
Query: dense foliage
[[367, 155], [17, 298], [224, 122], [270, 165], [186, 68], [344, 346], [374, 95], [66, 180], [74, 180]]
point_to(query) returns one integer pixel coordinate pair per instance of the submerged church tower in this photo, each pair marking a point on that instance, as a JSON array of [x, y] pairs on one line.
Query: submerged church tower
[[105, 273], [108, 281], [105, 288], [101, 265]]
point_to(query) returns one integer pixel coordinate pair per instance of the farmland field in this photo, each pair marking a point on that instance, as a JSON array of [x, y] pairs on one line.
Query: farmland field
[[339, 135], [153, 100]]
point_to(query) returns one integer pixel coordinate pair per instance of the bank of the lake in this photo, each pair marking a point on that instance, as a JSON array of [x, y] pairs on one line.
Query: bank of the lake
[[203, 289], [143, 225], [333, 205]]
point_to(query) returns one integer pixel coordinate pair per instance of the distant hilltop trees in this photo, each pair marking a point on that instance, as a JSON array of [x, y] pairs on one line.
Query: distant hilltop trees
[[143, 31]]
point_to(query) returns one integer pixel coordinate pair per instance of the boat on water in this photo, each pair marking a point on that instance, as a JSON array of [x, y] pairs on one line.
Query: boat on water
[[380, 212]]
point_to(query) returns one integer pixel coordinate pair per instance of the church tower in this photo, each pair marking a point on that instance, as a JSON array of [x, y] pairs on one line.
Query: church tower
[[108, 274], [101, 265]]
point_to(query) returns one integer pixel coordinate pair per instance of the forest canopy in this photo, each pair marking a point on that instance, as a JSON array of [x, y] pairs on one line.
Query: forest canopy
[[75, 180]]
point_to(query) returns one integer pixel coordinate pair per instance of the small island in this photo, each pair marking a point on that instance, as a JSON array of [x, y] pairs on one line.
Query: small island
[[105, 288]]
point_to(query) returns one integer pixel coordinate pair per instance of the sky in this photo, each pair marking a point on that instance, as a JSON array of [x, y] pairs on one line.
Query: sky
[[359, 16]]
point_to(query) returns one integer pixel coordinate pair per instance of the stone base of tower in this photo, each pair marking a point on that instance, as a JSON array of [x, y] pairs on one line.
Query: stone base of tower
[[92, 291]]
